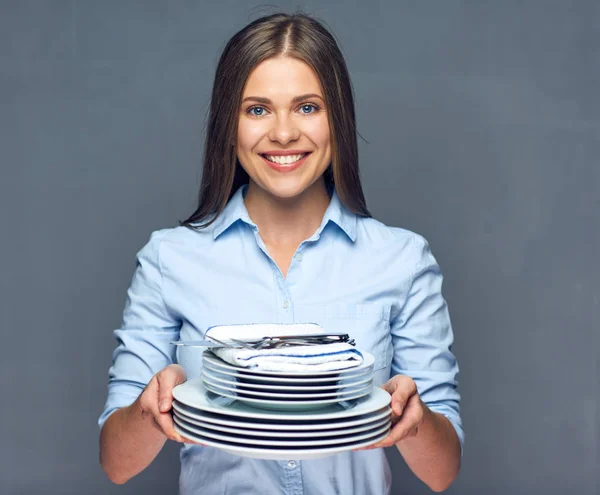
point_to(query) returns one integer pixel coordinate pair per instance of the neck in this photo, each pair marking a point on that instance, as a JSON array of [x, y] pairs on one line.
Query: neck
[[287, 221]]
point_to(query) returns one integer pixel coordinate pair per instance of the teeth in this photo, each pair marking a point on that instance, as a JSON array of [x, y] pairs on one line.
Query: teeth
[[284, 160]]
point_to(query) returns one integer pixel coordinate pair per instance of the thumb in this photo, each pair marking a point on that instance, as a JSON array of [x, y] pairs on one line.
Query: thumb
[[397, 401], [167, 379], [390, 386]]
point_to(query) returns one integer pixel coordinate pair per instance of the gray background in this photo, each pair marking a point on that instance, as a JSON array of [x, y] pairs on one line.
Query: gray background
[[482, 120]]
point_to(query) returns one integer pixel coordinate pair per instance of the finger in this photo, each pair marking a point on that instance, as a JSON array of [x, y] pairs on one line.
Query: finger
[[166, 424], [172, 433], [167, 379], [389, 386], [405, 390], [189, 440], [148, 398], [148, 405], [410, 420], [186, 439]]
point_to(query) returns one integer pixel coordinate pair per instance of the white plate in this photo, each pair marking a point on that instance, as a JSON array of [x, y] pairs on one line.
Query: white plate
[[307, 424], [288, 442], [278, 454], [368, 361], [193, 393], [217, 376], [285, 396], [300, 380], [285, 434], [284, 405], [288, 397]]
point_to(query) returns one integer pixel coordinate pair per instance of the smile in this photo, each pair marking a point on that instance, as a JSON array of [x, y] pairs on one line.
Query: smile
[[285, 163], [285, 159]]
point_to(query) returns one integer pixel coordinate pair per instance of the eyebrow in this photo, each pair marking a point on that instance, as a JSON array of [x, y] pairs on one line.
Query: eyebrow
[[297, 99]]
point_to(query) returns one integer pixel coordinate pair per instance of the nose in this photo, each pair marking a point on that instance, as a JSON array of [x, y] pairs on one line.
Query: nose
[[284, 130]]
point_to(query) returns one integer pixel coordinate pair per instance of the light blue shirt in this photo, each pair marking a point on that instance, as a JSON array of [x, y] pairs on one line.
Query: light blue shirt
[[379, 284]]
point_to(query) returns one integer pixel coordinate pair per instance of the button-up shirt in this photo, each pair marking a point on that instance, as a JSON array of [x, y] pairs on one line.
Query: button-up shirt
[[355, 275]]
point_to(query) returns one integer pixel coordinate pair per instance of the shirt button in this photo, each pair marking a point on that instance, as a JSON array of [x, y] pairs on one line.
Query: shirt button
[[292, 464], [299, 257], [286, 304]]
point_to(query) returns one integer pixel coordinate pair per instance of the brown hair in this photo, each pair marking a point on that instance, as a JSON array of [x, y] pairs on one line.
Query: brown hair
[[295, 35]]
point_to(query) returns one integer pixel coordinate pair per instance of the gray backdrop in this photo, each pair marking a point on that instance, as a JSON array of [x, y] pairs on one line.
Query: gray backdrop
[[482, 120]]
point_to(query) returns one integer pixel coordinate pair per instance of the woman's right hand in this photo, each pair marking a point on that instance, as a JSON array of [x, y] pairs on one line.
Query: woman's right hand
[[156, 401]]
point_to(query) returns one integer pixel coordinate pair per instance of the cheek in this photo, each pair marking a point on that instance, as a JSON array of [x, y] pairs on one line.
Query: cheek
[[319, 133], [248, 136]]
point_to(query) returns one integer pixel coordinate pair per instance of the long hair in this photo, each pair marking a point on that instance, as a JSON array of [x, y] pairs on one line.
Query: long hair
[[294, 35]]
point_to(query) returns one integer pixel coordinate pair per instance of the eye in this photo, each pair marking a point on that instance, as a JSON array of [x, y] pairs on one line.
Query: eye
[[308, 106], [251, 111]]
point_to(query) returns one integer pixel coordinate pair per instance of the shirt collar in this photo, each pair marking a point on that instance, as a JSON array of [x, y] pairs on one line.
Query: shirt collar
[[235, 211]]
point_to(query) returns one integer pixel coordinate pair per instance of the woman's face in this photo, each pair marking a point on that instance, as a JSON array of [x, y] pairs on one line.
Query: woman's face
[[283, 140]]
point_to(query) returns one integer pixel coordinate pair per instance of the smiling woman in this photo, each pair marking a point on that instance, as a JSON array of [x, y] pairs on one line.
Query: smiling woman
[[281, 86], [282, 234]]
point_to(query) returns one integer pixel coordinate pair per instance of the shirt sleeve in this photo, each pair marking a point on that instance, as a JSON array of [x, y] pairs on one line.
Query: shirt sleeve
[[422, 338], [143, 339]]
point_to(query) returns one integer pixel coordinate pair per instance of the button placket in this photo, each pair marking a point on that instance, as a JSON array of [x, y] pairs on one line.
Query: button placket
[[283, 300], [284, 292], [292, 472]]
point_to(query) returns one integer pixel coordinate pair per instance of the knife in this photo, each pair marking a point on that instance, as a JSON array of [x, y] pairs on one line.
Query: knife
[[199, 343]]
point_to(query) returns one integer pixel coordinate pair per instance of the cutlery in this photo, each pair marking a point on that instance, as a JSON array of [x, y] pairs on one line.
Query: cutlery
[[270, 342]]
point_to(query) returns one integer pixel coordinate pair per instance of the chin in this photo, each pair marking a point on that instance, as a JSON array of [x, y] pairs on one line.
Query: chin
[[286, 191]]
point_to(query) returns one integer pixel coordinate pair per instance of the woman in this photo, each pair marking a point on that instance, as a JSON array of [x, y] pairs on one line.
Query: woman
[[282, 234]]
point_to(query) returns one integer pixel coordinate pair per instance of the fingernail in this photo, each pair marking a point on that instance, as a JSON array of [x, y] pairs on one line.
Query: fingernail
[[164, 405]]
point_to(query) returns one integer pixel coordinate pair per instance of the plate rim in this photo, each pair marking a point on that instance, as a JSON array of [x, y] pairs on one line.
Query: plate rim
[[281, 379], [274, 454], [334, 424], [261, 393], [285, 404], [195, 385], [328, 432], [283, 443], [210, 371]]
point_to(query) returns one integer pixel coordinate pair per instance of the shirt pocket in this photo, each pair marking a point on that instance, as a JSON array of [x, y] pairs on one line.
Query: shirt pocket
[[367, 324]]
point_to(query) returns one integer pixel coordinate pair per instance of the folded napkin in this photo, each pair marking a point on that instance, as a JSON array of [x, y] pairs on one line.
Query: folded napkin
[[310, 358]]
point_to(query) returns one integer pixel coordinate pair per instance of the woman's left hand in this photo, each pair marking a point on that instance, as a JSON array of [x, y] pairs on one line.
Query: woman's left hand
[[408, 411]]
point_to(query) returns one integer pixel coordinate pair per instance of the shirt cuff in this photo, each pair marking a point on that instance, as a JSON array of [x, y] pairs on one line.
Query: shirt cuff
[[119, 395]]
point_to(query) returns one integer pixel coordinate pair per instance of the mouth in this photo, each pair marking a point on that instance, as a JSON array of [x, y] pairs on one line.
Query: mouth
[[285, 163], [284, 159]]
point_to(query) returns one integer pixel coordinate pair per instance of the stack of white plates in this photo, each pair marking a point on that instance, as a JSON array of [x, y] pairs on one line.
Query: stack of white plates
[[239, 428], [287, 391]]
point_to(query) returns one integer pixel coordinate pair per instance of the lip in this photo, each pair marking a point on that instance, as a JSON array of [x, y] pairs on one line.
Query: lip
[[286, 168], [284, 152]]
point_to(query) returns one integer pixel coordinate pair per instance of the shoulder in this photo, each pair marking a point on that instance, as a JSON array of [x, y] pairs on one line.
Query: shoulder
[[376, 232], [173, 237], [404, 251]]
